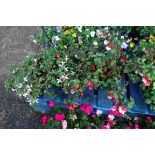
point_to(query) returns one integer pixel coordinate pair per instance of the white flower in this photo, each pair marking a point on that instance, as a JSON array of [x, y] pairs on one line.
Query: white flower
[[121, 110], [72, 73], [35, 41], [109, 97], [19, 85], [141, 74], [59, 80], [25, 79], [136, 72], [74, 117], [92, 33], [64, 124], [13, 72], [95, 43], [99, 33], [106, 28], [66, 69], [108, 48], [56, 38], [35, 60], [62, 63], [122, 37], [111, 117], [13, 89], [65, 46], [124, 45], [106, 42], [79, 28], [72, 92], [66, 59], [99, 112], [64, 77]]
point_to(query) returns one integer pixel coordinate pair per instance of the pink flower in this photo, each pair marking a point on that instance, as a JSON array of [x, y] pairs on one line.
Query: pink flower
[[127, 127], [45, 119], [105, 127], [111, 96], [74, 117], [88, 127], [146, 81], [136, 119], [86, 108], [99, 112], [51, 104], [91, 85], [118, 110], [108, 47], [64, 124], [111, 117], [149, 119], [93, 115], [59, 117], [136, 127]]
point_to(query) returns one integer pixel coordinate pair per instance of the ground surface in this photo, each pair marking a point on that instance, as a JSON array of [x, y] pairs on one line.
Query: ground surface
[[15, 44]]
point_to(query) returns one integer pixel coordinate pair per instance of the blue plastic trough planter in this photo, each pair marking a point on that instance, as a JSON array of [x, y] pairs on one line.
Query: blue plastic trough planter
[[140, 106], [98, 99]]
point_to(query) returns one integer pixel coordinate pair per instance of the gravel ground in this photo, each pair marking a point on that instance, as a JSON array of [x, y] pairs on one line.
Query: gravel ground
[[15, 44]]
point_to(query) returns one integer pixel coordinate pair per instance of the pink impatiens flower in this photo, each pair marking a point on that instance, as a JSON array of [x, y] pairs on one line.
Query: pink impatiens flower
[[51, 104], [127, 127], [108, 47], [93, 115], [45, 119], [86, 108], [91, 85], [59, 117], [105, 127], [149, 119], [118, 110], [146, 81], [64, 124], [136, 127], [99, 112]]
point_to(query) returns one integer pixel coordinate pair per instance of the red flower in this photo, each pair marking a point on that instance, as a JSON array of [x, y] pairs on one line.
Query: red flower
[[75, 105], [149, 119], [57, 55], [124, 59], [113, 46], [146, 81], [93, 68], [121, 49], [76, 86], [71, 108]]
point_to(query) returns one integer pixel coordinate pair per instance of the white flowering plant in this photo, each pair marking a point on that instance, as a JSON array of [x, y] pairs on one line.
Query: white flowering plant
[[77, 58]]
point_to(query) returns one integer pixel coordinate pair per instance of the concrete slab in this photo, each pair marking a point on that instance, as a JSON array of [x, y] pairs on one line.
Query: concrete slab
[[15, 44]]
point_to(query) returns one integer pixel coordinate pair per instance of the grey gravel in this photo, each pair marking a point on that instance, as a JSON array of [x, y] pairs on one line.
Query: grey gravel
[[15, 44]]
